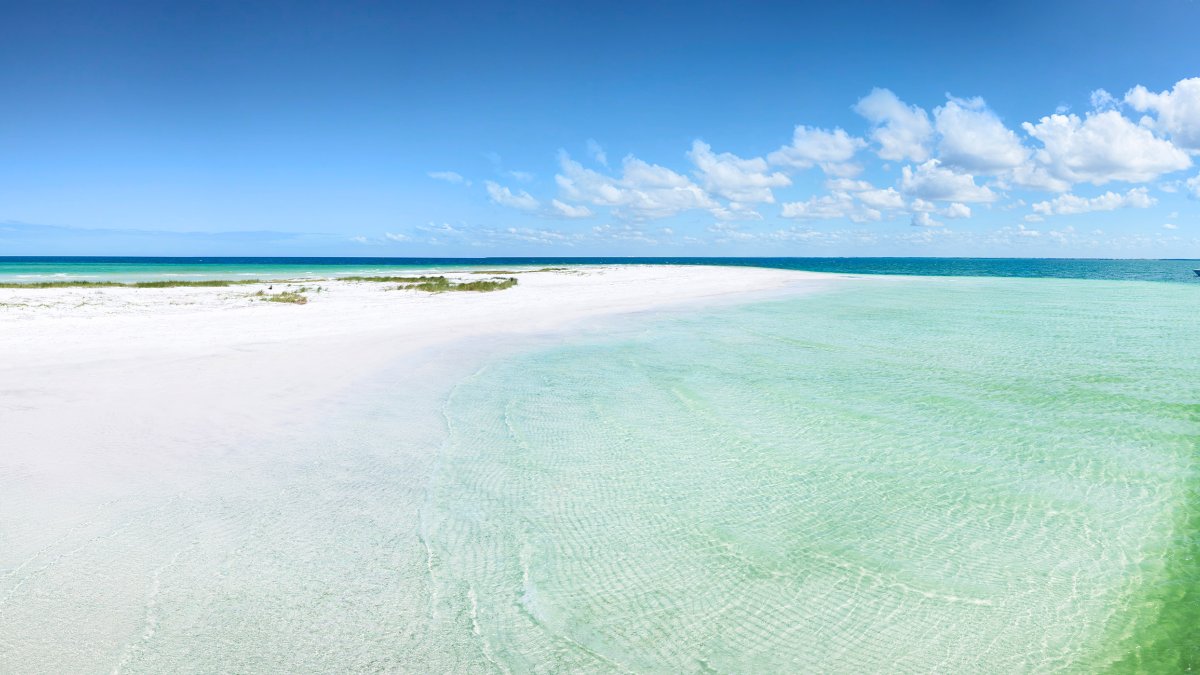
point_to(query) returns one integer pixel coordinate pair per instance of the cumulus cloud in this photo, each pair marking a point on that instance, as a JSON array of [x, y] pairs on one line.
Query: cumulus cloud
[[569, 210], [934, 182], [881, 199], [1176, 111], [1193, 185], [956, 210], [1102, 100], [831, 206], [1069, 204], [1035, 177], [923, 219], [847, 184], [448, 176], [734, 178], [832, 150], [1103, 147], [1170, 226], [902, 131], [396, 236], [974, 139], [504, 197], [643, 191]]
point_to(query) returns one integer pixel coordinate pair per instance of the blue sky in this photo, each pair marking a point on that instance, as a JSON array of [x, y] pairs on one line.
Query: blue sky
[[326, 128]]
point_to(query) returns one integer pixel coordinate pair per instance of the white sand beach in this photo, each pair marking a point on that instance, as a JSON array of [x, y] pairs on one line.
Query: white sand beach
[[113, 395]]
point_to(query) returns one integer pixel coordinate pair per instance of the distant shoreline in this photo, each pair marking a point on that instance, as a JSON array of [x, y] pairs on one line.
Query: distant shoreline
[[47, 268]]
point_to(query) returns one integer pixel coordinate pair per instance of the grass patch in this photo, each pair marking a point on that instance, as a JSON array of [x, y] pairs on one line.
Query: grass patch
[[442, 285], [289, 297], [215, 283]]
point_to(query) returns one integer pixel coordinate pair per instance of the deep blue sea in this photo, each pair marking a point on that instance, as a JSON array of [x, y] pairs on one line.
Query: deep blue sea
[[145, 268]]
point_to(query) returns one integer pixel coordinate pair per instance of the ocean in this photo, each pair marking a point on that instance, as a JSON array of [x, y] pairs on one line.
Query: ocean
[[983, 466], [143, 269]]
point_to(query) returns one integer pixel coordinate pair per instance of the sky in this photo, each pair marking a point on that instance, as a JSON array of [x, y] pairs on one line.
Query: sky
[[1065, 129]]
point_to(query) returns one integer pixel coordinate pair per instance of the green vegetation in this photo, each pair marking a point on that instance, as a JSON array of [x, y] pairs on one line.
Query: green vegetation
[[215, 283], [442, 284], [289, 297]]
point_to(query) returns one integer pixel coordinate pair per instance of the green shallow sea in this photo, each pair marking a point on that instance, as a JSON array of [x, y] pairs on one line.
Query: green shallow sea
[[904, 476], [890, 475]]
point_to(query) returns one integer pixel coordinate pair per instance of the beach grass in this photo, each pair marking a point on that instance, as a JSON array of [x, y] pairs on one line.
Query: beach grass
[[288, 297], [442, 285], [431, 284]]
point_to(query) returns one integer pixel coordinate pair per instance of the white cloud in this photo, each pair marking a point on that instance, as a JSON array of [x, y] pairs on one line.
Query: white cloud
[[535, 236], [360, 240], [596, 152], [1193, 185], [923, 219], [934, 182], [448, 176], [445, 229], [882, 199], [1170, 226], [1036, 177], [1102, 100], [1068, 204], [903, 132], [734, 178], [956, 210], [1177, 111], [831, 149], [735, 211], [523, 176], [504, 197], [974, 139], [643, 190], [831, 206], [1103, 147], [570, 210], [847, 184], [396, 236]]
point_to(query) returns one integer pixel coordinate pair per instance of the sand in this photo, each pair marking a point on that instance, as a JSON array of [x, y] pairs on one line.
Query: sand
[[110, 392]]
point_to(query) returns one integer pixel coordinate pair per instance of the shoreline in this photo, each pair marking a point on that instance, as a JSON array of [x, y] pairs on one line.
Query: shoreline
[[113, 393]]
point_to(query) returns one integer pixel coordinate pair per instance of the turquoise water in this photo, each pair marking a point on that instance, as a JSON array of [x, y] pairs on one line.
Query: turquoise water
[[933, 476], [893, 475], [27, 269]]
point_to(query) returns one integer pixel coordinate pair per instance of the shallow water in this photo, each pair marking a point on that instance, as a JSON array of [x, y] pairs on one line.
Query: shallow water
[[943, 476], [902, 475]]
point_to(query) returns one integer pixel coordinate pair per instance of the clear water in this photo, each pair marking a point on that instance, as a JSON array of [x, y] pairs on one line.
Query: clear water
[[28, 269], [899, 475], [937, 476]]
